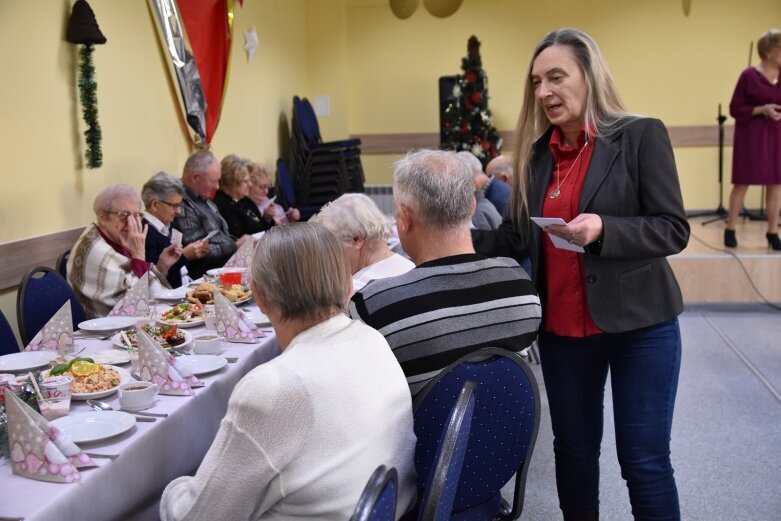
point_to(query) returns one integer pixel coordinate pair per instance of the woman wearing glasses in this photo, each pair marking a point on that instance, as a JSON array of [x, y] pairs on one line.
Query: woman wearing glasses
[[110, 256], [162, 197]]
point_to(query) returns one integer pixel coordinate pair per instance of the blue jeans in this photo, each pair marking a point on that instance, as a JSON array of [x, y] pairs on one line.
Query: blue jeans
[[644, 366]]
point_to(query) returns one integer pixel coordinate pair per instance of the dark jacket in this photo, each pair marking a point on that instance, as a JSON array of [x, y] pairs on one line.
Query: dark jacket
[[243, 217], [632, 184], [156, 242]]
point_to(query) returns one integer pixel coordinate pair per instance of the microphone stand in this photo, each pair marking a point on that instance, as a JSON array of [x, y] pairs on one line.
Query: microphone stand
[[720, 212]]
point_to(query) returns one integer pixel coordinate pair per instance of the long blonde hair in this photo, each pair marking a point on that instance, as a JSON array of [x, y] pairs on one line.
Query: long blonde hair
[[604, 113]]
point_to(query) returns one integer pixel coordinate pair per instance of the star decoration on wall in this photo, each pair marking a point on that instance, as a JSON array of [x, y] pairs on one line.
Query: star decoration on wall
[[251, 43]]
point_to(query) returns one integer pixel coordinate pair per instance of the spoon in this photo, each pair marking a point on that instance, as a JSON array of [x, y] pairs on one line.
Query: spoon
[[103, 406]]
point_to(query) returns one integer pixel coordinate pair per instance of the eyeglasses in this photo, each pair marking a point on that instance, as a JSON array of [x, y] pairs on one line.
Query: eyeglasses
[[175, 206], [124, 215]]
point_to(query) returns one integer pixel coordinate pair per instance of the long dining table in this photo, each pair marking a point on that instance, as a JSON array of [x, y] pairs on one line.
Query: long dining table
[[145, 458]]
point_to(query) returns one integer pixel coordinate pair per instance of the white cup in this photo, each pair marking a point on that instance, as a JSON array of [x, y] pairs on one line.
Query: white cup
[[207, 344], [135, 396]]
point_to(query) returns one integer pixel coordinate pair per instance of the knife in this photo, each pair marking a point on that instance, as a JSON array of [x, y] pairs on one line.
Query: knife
[[152, 414]]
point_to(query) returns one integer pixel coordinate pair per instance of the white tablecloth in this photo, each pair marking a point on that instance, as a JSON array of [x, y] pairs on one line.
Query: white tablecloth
[[150, 454]]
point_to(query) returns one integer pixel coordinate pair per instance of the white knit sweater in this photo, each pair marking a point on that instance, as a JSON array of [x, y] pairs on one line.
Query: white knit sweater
[[304, 432]]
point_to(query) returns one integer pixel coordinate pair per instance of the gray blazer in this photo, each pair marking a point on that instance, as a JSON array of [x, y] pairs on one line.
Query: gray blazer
[[632, 184]]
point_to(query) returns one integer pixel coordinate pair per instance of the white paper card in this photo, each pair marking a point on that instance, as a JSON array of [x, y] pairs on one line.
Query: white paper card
[[176, 237], [558, 242]]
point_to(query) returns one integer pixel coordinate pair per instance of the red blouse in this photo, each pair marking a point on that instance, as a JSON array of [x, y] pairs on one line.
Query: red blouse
[[566, 311]]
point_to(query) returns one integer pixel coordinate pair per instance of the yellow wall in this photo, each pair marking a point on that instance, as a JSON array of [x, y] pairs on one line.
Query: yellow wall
[[673, 67]]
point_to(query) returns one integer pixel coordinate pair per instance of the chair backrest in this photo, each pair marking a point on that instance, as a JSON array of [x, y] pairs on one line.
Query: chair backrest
[[439, 493], [507, 406], [378, 499], [62, 264], [285, 183], [41, 294], [8, 343]]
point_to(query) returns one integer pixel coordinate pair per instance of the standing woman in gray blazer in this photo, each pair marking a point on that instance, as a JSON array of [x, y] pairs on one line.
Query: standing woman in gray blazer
[[611, 176]]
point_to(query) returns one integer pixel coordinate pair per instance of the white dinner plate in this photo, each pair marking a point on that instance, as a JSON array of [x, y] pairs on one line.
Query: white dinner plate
[[188, 339], [174, 295], [124, 377], [107, 324], [201, 364], [111, 356], [257, 318], [83, 427], [25, 360], [180, 324]]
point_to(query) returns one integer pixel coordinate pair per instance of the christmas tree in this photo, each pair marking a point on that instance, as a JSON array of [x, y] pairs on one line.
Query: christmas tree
[[467, 120]]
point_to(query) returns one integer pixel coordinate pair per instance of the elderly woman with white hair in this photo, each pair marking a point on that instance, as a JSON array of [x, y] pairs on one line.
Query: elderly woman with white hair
[[304, 431], [363, 230], [109, 256]]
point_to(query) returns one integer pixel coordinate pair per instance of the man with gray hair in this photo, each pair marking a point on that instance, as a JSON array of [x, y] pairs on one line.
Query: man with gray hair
[[486, 216], [162, 196], [454, 301], [200, 217]]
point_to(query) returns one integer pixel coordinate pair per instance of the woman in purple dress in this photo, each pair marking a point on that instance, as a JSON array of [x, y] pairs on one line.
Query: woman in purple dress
[[756, 158]]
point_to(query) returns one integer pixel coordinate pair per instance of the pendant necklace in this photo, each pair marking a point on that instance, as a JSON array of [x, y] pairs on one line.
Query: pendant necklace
[[556, 191]]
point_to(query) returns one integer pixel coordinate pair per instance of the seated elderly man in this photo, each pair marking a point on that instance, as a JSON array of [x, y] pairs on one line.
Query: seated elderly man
[[200, 216], [162, 197], [109, 257], [363, 230], [486, 216], [304, 430], [454, 301], [498, 189]]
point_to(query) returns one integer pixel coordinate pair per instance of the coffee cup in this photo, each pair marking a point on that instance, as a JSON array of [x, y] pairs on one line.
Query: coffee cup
[[135, 396], [207, 344]]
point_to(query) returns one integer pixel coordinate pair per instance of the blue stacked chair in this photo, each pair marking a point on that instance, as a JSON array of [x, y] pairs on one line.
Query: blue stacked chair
[[378, 499], [42, 293], [286, 189], [501, 442]]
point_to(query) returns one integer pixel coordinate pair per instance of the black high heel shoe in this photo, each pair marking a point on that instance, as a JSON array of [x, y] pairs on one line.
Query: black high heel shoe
[[773, 241], [730, 241]]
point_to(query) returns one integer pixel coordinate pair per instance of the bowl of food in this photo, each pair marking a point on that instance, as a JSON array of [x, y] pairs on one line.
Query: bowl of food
[[91, 380]]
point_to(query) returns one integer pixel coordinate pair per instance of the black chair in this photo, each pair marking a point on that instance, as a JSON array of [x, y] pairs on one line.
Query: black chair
[[439, 492], [41, 294], [288, 192], [505, 424], [8, 343], [62, 264], [378, 499]]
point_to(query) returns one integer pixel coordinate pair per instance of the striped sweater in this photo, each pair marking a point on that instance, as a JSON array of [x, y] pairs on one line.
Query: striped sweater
[[446, 308]]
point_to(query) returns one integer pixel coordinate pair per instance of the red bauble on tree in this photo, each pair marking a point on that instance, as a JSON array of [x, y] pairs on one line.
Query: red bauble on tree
[[470, 77], [476, 97]]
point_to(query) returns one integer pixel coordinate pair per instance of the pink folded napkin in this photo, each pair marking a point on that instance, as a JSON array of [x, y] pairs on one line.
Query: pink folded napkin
[[38, 449], [157, 366], [135, 303], [57, 334], [232, 323], [243, 256]]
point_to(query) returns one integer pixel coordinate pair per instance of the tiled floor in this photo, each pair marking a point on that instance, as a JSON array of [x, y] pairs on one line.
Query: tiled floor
[[726, 441]]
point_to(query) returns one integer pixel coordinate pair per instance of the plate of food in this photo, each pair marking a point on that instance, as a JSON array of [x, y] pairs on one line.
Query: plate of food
[[187, 314], [204, 293], [90, 379], [84, 427], [168, 336]]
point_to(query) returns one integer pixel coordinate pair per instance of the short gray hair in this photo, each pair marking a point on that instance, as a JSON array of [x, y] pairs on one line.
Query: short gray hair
[[354, 215], [437, 186], [474, 164], [104, 201], [302, 270], [160, 187], [198, 162]]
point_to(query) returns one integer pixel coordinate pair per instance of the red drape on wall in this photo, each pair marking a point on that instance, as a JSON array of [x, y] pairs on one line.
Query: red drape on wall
[[206, 23]]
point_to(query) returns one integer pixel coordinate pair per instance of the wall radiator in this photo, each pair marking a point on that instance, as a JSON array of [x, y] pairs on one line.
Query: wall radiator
[[383, 196]]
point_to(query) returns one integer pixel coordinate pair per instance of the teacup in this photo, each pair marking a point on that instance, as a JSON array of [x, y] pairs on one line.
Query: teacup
[[135, 396], [207, 344]]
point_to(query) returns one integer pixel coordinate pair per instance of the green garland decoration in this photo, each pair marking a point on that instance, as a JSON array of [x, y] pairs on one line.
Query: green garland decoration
[[88, 89]]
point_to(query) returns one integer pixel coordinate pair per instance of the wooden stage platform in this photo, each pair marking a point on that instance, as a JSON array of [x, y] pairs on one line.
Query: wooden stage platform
[[707, 272]]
